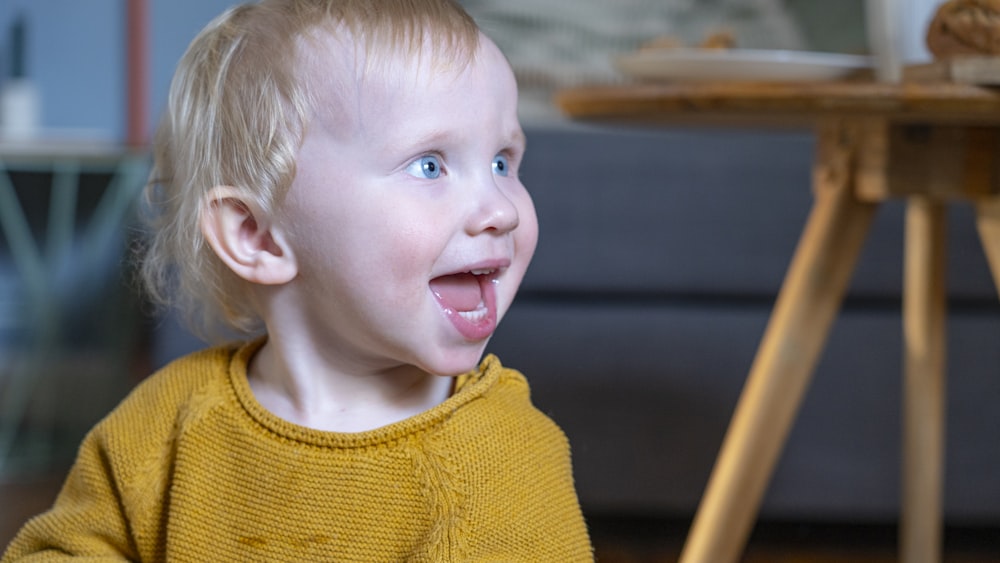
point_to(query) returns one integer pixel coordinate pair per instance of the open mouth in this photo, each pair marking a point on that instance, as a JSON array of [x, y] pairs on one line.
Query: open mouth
[[469, 301]]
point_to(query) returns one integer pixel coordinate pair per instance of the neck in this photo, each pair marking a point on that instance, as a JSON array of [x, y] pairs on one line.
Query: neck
[[308, 386]]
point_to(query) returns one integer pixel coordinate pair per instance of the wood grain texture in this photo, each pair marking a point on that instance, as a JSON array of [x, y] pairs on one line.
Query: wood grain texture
[[806, 307], [782, 102], [924, 352]]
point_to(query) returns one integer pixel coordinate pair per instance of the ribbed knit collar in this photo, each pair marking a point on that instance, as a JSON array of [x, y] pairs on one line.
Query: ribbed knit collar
[[468, 387]]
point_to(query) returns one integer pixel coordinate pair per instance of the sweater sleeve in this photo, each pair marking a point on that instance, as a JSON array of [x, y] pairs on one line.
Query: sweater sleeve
[[547, 523], [112, 506], [87, 519], [524, 505]]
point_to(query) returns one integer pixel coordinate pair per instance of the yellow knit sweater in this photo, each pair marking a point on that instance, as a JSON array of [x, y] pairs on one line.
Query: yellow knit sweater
[[191, 468]]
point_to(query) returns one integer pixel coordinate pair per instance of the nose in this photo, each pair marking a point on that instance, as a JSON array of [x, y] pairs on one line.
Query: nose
[[495, 210]]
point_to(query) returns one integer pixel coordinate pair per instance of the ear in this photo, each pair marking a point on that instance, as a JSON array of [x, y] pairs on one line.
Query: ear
[[244, 239]]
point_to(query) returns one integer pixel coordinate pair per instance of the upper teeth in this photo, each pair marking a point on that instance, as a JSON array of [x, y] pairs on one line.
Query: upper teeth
[[481, 272]]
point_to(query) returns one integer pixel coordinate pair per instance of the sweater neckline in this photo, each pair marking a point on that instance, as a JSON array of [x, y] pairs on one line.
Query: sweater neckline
[[468, 387]]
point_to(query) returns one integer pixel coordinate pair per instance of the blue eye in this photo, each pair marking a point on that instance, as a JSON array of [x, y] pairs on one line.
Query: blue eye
[[428, 167], [501, 166]]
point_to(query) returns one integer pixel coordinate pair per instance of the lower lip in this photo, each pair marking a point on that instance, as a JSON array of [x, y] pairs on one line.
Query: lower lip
[[482, 328]]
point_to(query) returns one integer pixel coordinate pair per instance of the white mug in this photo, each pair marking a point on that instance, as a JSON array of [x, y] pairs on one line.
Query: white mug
[[897, 34]]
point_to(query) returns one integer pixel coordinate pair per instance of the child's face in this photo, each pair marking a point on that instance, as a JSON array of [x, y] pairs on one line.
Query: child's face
[[410, 227]]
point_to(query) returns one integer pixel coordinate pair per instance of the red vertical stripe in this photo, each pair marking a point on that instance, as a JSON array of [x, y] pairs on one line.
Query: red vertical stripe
[[137, 18]]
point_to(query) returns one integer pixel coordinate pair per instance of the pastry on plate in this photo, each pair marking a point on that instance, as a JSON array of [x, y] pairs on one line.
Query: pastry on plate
[[965, 27]]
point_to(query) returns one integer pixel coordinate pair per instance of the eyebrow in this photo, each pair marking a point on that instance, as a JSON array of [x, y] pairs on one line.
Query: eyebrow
[[435, 137], [513, 138], [518, 138]]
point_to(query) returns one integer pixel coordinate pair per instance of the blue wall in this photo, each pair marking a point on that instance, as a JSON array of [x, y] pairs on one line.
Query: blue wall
[[75, 55]]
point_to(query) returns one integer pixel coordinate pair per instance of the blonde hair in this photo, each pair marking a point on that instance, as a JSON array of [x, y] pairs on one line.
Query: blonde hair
[[237, 111]]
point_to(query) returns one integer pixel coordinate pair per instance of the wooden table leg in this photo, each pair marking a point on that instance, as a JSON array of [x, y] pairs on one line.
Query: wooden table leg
[[924, 313], [988, 223], [805, 309]]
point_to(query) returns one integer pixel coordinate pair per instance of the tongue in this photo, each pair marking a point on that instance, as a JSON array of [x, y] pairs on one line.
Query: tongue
[[459, 292]]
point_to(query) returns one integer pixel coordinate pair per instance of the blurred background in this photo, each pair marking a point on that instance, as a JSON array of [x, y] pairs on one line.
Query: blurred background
[[75, 51], [660, 255]]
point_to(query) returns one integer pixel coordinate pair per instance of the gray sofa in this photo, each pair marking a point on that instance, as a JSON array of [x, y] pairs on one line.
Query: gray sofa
[[660, 255]]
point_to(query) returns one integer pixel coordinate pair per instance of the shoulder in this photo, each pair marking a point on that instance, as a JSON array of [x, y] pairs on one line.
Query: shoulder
[[506, 411], [514, 466], [205, 371], [148, 420]]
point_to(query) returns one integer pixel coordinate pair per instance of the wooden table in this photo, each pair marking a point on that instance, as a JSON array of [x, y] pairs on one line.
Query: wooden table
[[929, 143]]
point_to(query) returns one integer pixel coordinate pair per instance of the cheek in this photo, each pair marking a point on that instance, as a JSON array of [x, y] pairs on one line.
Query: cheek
[[526, 234], [399, 259]]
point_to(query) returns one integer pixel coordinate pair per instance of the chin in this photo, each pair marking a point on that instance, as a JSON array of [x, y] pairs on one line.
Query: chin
[[452, 362]]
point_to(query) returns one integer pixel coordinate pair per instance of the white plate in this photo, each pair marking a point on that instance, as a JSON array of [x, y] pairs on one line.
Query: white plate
[[738, 64]]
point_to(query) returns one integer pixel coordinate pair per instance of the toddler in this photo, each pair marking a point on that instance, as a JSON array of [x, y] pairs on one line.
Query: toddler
[[338, 179]]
